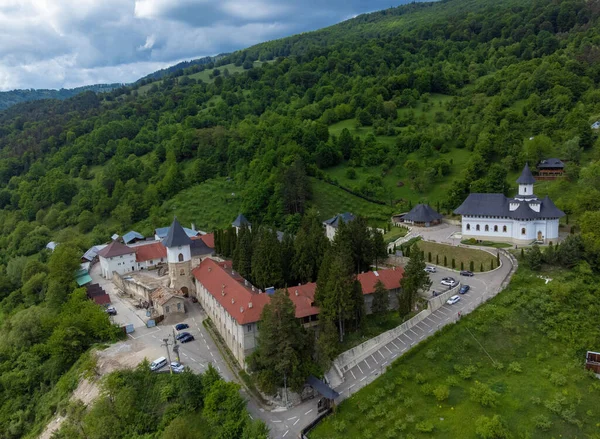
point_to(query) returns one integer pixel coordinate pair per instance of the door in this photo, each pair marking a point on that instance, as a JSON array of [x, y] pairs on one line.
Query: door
[[540, 237]]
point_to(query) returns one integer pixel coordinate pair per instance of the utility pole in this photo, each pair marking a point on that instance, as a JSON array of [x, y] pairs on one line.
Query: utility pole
[[176, 347], [166, 345], [285, 389]]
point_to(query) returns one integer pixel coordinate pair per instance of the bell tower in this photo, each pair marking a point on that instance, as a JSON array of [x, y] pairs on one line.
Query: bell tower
[[179, 258], [526, 181]]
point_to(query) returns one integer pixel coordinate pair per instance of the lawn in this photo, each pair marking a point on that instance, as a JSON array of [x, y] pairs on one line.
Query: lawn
[[331, 200], [460, 254], [486, 243], [395, 233], [212, 204], [519, 357]]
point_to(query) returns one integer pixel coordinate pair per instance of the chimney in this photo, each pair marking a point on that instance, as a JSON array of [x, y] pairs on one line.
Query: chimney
[[241, 309], [246, 282], [209, 269], [250, 305], [252, 288], [193, 227], [296, 292], [394, 267], [232, 300]]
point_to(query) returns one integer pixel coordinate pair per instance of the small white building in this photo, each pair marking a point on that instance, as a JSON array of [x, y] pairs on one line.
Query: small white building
[[332, 224], [116, 257], [520, 220]]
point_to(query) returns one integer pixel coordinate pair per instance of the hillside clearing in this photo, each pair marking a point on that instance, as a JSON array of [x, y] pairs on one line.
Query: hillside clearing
[[460, 255]]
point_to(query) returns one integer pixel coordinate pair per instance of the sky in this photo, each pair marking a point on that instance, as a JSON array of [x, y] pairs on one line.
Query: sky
[[69, 43]]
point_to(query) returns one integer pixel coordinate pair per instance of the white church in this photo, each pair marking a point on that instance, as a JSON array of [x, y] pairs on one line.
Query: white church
[[520, 220]]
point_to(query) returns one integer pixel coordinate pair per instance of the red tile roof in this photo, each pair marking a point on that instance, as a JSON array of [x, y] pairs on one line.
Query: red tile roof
[[244, 305], [103, 299], [303, 297], [150, 252], [390, 278], [209, 239], [115, 248]]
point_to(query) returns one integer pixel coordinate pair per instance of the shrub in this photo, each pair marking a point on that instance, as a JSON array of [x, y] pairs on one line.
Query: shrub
[[339, 426], [427, 389], [351, 173], [471, 266], [465, 372], [452, 381], [445, 261], [515, 367], [453, 264], [408, 402], [431, 354], [482, 394], [542, 422], [558, 379], [429, 256], [462, 265], [491, 428], [424, 426], [441, 392], [437, 259], [420, 378]]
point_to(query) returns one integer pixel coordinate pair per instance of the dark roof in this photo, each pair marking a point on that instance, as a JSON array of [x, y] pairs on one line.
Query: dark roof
[[526, 176], [335, 221], [115, 248], [162, 232], [176, 236], [199, 248], [498, 205], [550, 164], [484, 204], [422, 213], [322, 388], [131, 236], [240, 221]]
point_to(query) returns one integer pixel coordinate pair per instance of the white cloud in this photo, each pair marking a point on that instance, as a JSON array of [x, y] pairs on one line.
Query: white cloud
[[67, 43]]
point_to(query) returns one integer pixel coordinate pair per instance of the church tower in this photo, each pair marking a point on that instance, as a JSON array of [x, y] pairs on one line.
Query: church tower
[[526, 182], [179, 258]]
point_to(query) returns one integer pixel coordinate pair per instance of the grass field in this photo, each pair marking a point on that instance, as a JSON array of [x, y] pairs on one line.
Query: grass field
[[486, 243], [331, 200], [503, 359], [395, 233], [460, 254]]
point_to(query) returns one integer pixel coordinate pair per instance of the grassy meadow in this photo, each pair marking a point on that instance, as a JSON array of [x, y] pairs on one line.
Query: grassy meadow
[[460, 254], [518, 358]]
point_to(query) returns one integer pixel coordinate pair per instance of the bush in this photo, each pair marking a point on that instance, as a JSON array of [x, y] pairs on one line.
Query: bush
[[542, 422], [482, 394], [515, 367], [465, 372], [351, 174], [424, 426], [441, 392], [491, 428], [471, 266]]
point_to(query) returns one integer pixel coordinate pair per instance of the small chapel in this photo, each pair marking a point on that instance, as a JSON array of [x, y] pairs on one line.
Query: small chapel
[[520, 220]]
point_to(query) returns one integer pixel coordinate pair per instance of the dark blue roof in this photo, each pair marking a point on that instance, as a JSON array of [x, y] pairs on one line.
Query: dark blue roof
[[176, 236], [499, 205], [240, 221], [551, 164], [322, 388], [422, 213], [335, 221], [526, 176], [131, 235]]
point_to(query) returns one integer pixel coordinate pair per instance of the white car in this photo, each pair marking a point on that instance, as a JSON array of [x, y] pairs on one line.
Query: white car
[[449, 282], [453, 300], [430, 269], [177, 367]]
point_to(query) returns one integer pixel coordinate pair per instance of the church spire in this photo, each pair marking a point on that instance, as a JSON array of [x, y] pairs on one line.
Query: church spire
[[526, 182]]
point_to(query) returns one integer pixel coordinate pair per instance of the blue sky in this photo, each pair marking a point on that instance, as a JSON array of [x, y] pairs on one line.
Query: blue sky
[[68, 43]]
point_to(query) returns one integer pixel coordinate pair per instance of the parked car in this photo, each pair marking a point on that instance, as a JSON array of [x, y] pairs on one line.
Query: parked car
[[181, 335], [111, 311], [449, 282], [181, 326], [464, 289], [187, 338], [430, 269], [453, 300], [177, 367], [467, 273], [158, 363]]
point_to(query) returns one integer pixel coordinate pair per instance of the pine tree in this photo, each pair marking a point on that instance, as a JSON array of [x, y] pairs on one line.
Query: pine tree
[[283, 347], [415, 279], [429, 256], [462, 265], [445, 261], [266, 264], [481, 267], [378, 247], [471, 266], [437, 259], [492, 264], [381, 299], [287, 259], [242, 260], [310, 246], [453, 264]]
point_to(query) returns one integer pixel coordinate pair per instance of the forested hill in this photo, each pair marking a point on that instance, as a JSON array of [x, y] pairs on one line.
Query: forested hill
[[12, 97]]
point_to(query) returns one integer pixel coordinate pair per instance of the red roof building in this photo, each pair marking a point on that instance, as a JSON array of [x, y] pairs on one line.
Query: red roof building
[[303, 297], [114, 249], [150, 252], [209, 239], [390, 278]]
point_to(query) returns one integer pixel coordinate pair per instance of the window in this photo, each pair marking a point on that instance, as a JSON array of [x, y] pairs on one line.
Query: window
[[178, 306], [504, 229], [468, 226], [523, 231], [495, 228], [249, 328], [180, 257], [166, 309], [487, 228], [477, 227], [182, 272]]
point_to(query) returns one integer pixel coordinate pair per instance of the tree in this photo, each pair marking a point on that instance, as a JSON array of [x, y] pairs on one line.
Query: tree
[[534, 258], [295, 187], [63, 263], [288, 255], [355, 237], [491, 428], [381, 298], [310, 246], [379, 247], [242, 256], [283, 349], [267, 268], [415, 279]]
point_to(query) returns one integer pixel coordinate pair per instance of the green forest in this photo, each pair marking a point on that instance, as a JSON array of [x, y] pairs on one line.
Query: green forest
[[424, 102]]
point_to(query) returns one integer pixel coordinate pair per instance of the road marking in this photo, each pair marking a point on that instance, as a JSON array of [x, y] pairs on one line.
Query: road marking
[[376, 362], [382, 354], [351, 387], [286, 432], [430, 319], [193, 359], [442, 311], [384, 363], [367, 363], [433, 315], [358, 365], [308, 412], [153, 336], [184, 354], [194, 319], [218, 368], [363, 378], [374, 372], [291, 419], [341, 391], [413, 332], [352, 374], [297, 420], [211, 354], [423, 321], [251, 417], [400, 340], [394, 356], [395, 345], [389, 350], [430, 331], [275, 421]]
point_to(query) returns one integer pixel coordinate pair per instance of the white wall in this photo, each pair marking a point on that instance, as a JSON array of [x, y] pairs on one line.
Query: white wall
[[514, 228], [121, 264], [330, 232], [173, 253]]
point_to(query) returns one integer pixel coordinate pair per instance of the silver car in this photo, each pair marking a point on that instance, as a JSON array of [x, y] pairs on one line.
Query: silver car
[[453, 300], [177, 367], [430, 269]]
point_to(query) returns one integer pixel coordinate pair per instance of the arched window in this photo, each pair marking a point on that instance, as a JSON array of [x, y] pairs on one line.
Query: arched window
[[477, 227], [495, 228], [180, 257], [487, 228], [523, 231], [504, 229], [182, 272], [468, 226]]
